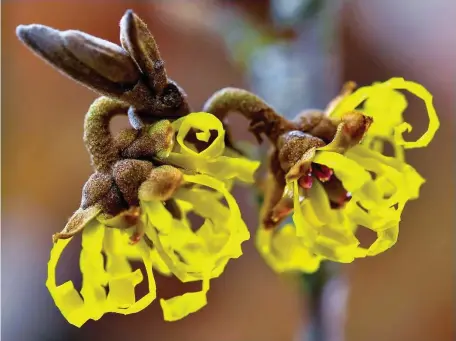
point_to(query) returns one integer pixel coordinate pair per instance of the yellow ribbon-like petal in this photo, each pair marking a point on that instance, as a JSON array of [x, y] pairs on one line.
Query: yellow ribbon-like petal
[[212, 160], [118, 277], [377, 95], [373, 205], [284, 251], [176, 249], [200, 255], [380, 186]]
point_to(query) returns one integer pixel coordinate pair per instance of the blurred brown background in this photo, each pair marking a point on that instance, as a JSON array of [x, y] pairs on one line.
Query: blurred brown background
[[404, 294]]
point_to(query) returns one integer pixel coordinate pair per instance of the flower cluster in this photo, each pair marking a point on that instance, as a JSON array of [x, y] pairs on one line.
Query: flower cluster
[[379, 186], [170, 245], [147, 179], [327, 168]]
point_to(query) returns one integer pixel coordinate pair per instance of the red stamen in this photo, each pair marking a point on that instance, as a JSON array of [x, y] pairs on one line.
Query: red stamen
[[323, 173], [283, 212], [135, 238], [306, 181], [344, 198]]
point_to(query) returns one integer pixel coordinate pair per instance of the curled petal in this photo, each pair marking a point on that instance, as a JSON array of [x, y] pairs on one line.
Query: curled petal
[[379, 185], [284, 251], [321, 233], [325, 232], [178, 307], [379, 91], [119, 250], [65, 296], [173, 248], [211, 160], [386, 107], [117, 276], [200, 255], [378, 145], [377, 203], [419, 91]]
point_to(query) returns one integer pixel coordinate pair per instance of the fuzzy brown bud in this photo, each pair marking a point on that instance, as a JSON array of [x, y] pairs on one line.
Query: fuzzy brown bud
[[141, 45], [96, 63]]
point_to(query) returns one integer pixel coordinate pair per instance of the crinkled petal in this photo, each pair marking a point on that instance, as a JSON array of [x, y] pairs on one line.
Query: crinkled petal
[[117, 243], [117, 276], [178, 307], [65, 296], [176, 250], [200, 255], [331, 237], [284, 251], [378, 145], [374, 204], [323, 233], [378, 94], [212, 160], [380, 186], [386, 106]]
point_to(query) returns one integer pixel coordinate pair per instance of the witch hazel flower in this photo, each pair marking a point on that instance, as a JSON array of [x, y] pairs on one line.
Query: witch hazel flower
[[328, 171], [148, 179]]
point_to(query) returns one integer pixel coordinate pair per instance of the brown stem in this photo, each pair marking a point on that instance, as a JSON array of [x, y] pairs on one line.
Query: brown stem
[[97, 135], [275, 207], [263, 118]]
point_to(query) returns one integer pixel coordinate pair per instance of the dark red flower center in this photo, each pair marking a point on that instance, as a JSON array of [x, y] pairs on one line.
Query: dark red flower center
[[324, 174]]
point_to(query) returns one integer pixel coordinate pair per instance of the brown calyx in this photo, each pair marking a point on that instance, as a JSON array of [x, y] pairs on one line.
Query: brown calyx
[[161, 184], [293, 144], [356, 125], [129, 175]]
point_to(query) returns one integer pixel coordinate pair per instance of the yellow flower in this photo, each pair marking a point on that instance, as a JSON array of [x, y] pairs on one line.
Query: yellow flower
[[171, 245], [379, 186]]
